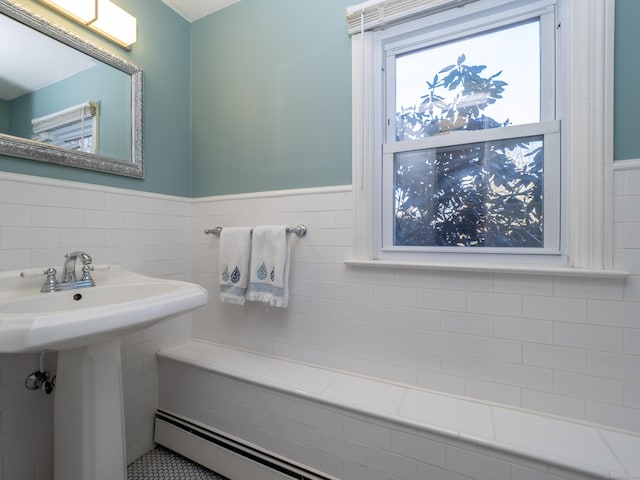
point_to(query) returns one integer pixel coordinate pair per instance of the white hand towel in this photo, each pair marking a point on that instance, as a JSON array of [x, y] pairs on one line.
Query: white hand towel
[[233, 263], [269, 280]]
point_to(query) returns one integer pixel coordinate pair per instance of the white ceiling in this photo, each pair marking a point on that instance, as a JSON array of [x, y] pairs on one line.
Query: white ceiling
[[37, 63], [193, 10]]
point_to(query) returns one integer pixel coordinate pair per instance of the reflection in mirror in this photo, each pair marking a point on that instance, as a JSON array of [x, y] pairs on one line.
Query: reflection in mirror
[[64, 100]]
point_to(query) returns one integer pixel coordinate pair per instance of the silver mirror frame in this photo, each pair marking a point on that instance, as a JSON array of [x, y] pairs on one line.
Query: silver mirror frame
[[28, 149]]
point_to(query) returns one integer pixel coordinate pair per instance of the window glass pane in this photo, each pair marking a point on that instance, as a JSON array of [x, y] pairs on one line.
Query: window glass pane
[[484, 81], [77, 135], [476, 195]]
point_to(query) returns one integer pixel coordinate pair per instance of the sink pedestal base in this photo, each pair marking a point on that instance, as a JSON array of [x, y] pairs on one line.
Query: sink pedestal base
[[89, 434]]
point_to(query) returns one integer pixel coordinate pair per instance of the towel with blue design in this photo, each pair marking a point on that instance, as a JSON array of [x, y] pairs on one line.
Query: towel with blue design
[[233, 264], [270, 258]]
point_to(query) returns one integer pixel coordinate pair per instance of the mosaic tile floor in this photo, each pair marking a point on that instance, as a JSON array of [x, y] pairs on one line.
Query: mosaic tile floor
[[163, 464]]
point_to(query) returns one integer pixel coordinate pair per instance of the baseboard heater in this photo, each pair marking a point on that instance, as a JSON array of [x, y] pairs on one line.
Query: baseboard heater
[[231, 457]]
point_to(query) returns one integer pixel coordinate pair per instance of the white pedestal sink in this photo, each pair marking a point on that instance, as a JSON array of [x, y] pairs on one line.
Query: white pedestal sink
[[85, 326], [88, 414]]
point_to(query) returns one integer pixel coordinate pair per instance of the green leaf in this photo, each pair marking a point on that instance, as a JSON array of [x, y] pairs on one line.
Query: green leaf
[[477, 68]]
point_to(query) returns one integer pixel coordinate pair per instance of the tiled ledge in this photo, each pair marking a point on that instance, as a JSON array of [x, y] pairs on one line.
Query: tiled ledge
[[576, 447]]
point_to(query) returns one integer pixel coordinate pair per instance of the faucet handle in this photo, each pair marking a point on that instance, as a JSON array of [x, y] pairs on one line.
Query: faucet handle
[[86, 272], [51, 281], [34, 272]]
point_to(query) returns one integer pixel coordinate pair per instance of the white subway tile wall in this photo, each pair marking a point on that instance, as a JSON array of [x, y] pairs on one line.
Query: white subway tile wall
[[41, 220], [561, 345]]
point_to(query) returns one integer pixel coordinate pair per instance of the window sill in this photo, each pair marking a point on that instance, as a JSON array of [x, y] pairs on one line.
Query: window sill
[[487, 268]]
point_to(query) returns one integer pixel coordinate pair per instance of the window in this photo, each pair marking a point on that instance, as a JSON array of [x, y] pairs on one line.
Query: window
[[459, 154], [75, 128], [442, 187]]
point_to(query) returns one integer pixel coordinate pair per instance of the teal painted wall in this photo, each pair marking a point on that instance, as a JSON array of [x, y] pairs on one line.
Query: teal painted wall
[[271, 97], [114, 99], [162, 51], [627, 81], [4, 116], [268, 88]]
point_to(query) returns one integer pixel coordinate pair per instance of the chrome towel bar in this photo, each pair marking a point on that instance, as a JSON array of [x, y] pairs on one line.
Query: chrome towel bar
[[300, 230]]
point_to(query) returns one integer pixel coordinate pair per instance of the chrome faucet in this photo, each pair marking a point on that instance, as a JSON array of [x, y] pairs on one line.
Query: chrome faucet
[[69, 269], [69, 281]]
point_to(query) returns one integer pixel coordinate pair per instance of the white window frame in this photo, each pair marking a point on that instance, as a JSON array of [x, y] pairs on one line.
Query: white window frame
[[427, 32], [73, 124], [584, 85]]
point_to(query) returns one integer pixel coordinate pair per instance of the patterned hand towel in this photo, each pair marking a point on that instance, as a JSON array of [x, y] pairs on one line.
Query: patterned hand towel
[[269, 280], [233, 263]]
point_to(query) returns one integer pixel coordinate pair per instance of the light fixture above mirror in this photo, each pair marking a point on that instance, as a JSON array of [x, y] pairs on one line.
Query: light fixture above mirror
[[101, 16], [82, 12]]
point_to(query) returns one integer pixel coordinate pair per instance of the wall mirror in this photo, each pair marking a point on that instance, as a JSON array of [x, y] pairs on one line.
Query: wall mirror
[[66, 101]]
